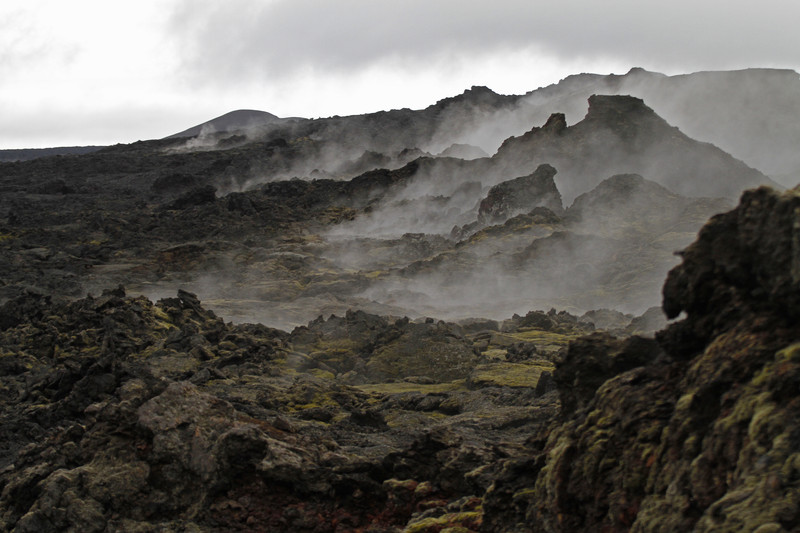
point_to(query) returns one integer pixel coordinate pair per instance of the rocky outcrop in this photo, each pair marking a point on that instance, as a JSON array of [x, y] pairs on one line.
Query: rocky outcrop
[[364, 348], [629, 205], [592, 360], [731, 109], [703, 438], [744, 263], [622, 135], [520, 195]]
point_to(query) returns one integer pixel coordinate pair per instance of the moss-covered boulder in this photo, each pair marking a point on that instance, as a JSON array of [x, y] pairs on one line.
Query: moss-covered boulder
[[439, 352]]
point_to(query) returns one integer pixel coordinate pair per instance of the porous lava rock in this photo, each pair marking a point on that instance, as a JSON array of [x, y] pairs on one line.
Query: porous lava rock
[[366, 348], [704, 438], [744, 262], [123, 414]]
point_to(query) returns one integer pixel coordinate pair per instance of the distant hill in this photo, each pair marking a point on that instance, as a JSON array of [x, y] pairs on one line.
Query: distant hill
[[241, 119], [751, 114], [26, 154]]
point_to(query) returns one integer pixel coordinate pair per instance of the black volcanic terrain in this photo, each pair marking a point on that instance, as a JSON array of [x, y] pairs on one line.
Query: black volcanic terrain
[[407, 239], [448, 319]]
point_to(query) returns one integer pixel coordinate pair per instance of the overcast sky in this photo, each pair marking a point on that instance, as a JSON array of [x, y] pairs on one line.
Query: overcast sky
[[106, 71]]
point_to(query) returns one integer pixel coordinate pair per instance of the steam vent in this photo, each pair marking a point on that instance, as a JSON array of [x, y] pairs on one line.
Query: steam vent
[[465, 318]]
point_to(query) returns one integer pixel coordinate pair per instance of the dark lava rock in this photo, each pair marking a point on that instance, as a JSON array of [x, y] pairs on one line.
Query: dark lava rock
[[371, 349], [173, 182], [620, 134], [592, 360], [704, 439], [26, 307], [743, 262], [206, 194], [121, 414], [57, 186], [521, 195]]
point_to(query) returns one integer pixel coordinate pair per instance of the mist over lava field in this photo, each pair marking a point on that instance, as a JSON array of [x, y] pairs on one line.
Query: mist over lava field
[[410, 212], [573, 309]]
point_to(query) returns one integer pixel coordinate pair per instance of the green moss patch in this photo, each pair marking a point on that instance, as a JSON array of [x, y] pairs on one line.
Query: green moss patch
[[503, 374], [403, 387]]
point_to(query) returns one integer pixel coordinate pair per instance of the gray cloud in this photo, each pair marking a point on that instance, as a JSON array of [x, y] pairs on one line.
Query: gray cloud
[[22, 44], [248, 38], [90, 72]]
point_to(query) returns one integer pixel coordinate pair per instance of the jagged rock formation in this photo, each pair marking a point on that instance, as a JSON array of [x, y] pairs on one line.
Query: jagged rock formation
[[620, 134], [125, 414], [735, 110], [522, 194], [463, 151], [618, 238], [703, 437], [368, 349]]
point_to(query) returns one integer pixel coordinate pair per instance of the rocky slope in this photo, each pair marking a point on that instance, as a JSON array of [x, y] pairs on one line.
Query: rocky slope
[[621, 134], [702, 434], [743, 112], [748, 113]]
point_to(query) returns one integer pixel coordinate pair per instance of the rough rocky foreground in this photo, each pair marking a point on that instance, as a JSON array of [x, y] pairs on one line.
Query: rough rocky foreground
[[120, 414]]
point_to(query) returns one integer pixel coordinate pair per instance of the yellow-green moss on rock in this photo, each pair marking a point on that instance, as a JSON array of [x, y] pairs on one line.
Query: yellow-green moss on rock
[[503, 374]]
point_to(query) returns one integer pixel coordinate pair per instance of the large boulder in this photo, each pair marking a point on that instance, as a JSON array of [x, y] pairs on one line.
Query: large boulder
[[365, 348], [521, 195], [628, 204], [744, 263]]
